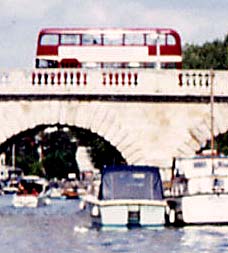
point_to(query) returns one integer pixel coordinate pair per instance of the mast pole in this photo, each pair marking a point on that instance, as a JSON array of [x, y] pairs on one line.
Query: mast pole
[[13, 156], [212, 118]]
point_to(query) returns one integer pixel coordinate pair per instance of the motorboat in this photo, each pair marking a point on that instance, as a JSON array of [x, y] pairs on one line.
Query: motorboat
[[10, 177], [32, 192], [199, 192], [56, 193], [55, 190], [199, 189], [128, 196], [11, 187]]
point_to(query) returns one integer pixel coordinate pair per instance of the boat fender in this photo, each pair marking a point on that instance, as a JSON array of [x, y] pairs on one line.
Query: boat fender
[[95, 211], [172, 216], [47, 201], [82, 205]]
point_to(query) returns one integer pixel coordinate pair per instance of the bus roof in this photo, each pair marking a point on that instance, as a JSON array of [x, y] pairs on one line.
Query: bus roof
[[107, 30]]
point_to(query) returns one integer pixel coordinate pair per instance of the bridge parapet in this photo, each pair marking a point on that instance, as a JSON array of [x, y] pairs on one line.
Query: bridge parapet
[[113, 81]]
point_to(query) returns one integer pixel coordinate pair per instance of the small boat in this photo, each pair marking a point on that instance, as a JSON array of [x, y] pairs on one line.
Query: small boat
[[55, 190], [199, 192], [11, 187], [70, 189], [32, 192], [128, 196], [55, 193], [10, 176], [70, 193]]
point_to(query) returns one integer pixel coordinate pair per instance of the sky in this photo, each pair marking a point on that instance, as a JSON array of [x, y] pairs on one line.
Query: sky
[[197, 21]]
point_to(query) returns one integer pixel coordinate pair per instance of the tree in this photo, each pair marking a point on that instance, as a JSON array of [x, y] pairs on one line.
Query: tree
[[209, 55], [59, 155]]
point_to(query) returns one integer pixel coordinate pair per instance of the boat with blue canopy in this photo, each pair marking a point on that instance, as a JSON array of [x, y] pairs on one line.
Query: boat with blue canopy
[[128, 196]]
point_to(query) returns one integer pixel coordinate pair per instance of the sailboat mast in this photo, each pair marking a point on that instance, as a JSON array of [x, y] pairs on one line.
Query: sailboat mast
[[212, 119]]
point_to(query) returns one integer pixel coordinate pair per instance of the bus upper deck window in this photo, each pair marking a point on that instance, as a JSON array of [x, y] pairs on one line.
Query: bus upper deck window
[[161, 39], [151, 38], [91, 39], [113, 39], [49, 39], [171, 40], [134, 39], [70, 39], [154, 38]]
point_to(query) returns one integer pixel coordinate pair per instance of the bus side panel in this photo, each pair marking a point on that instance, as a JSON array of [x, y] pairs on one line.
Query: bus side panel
[[47, 50], [165, 50]]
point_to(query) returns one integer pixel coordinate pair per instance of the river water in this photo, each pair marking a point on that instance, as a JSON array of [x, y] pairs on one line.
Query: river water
[[61, 227]]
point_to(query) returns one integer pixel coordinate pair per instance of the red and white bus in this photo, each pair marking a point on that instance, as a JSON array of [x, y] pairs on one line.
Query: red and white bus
[[104, 48]]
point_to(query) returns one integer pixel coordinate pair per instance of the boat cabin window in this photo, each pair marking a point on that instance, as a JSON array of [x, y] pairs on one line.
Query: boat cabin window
[[200, 164], [131, 185]]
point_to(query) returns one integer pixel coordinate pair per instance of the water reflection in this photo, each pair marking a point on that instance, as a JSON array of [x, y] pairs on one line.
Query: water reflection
[[62, 227], [205, 238]]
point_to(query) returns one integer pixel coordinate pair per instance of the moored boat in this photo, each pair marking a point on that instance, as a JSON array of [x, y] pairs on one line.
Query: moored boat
[[32, 192], [128, 196], [199, 193]]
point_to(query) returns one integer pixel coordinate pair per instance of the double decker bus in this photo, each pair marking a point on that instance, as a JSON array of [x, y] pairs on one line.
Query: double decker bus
[[105, 48]]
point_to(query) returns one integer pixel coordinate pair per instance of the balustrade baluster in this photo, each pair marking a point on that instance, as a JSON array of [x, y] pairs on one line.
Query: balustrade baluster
[[110, 78], [85, 78], [78, 77], [116, 78], [194, 79], [135, 78], [71, 78], [129, 78], [59, 78], [200, 79], [65, 77], [52, 78], [39, 75], [104, 78], [207, 80], [187, 79], [180, 78], [123, 78], [33, 78]]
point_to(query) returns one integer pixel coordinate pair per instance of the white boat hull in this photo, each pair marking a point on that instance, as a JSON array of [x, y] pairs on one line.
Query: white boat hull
[[129, 212], [205, 209], [119, 215], [29, 201]]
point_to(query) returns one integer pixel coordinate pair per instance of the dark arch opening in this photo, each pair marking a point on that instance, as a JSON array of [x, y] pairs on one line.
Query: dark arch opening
[[52, 153], [220, 144]]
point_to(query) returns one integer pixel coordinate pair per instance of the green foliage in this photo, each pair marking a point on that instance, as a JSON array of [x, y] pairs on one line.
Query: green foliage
[[209, 55], [59, 155], [222, 143], [36, 168], [27, 156]]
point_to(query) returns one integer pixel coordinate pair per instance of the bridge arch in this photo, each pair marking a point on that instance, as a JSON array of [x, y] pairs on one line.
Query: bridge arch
[[198, 134], [20, 116], [144, 133]]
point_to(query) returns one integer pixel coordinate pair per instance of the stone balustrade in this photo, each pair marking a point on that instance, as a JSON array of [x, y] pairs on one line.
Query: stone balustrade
[[114, 81]]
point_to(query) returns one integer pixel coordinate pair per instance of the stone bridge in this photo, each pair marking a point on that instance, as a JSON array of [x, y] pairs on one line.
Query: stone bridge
[[150, 116]]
